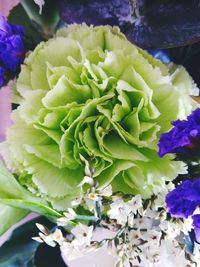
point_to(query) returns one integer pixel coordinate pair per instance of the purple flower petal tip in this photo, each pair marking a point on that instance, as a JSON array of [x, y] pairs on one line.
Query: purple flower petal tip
[[183, 200], [183, 137], [12, 50]]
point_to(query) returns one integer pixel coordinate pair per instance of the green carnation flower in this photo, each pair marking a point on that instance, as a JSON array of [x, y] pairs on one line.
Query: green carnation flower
[[89, 91]]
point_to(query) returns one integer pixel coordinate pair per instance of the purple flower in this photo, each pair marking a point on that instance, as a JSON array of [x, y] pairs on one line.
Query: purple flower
[[12, 48], [183, 200], [7, 29], [183, 137], [13, 51], [196, 220], [196, 224], [179, 207], [2, 76]]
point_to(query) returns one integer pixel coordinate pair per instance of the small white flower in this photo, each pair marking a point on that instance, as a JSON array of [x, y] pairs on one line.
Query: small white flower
[[152, 237], [106, 192], [77, 201], [91, 204], [148, 212], [71, 213], [131, 221], [118, 212], [57, 236], [46, 239], [83, 234], [134, 204], [135, 237], [172, 229], [150, 258], [43, 229], [160, 192], [68, 216], [122, 211], [95, 195], [50, 239], [90, 201], [134, 261], [162, 215], [87, 180], [87, 170], [172, 254], [187, 225], [40, 3], [70, 250], [196, 255], [142, 223]]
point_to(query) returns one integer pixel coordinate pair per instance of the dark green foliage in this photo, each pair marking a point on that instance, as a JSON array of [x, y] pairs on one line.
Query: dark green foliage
[[32, 34], [19, 250]]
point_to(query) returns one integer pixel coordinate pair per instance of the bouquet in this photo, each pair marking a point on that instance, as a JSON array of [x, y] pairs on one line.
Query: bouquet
[[105, 137]]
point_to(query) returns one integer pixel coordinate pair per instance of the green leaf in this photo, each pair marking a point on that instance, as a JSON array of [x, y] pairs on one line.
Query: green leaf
[[30, 205], [9, 187], [16, 202], [10, 216], [19, 250]]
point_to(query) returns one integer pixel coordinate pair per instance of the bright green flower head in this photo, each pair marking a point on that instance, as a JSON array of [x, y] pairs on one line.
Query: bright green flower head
[[89, 91]]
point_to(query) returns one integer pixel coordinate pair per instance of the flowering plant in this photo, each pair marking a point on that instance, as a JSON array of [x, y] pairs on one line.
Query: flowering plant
[[104, 136]]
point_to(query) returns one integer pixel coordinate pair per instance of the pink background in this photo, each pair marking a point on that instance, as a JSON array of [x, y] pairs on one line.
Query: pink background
[[6, 5]]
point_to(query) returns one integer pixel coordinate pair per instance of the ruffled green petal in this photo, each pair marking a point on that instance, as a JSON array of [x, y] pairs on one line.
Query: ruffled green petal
[[107, 176], [50, 180], [122, 150]]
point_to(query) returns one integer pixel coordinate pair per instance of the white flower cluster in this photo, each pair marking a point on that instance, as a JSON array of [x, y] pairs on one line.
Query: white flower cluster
[[141, 233], [74, 246]]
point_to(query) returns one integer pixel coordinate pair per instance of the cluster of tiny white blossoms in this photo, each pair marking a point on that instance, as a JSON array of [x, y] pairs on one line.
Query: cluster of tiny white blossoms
[[142, 234]]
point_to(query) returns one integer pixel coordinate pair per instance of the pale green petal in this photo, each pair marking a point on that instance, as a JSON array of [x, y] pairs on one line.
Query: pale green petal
[[54, 74], [65, 92], [89, 91], [51, 180], [27, 111], [49, 153], [63, 203], [107, 176], [24, 83], [67, 141], [120, 150], [88, 39]]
